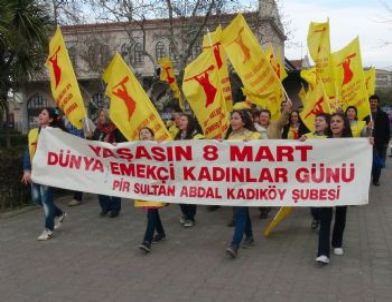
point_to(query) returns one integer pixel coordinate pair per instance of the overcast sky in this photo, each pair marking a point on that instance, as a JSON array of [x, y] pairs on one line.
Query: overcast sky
[[348, 18]]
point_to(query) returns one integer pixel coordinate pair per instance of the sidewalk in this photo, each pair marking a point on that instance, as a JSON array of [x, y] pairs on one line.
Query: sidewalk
[[96, 259]]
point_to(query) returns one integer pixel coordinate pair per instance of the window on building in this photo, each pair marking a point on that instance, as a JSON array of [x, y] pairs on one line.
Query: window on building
[[160, 50], [172, 53], [138, 54]]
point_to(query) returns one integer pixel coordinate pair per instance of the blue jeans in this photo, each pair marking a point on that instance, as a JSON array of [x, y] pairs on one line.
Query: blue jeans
[[243, 225], [153, 223], [43, 196], [110, 203]]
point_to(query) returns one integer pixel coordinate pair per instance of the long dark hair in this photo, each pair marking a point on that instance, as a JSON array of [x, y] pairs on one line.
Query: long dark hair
[[149, 130], [327, 118], [246, 118], [355, 109], [56, 119], [347, 128], [191, 129]]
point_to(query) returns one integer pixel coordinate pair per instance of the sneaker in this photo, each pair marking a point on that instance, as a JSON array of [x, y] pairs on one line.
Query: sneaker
[[145, 247], [322, 259], [60, 220], [248, 242], [74, 202], [232, 251], [114, 214], [376, 183], [159, 237], [103, 213], [46, 235], [182, 220], [314, 225], [338, 251], [189, 223]]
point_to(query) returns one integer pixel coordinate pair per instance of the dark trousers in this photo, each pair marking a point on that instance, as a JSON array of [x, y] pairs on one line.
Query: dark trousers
[[243, 225], [381, 151], [188, 211], [315, 212], [153, 223], [325, 229], [110, 203], [78, 195]]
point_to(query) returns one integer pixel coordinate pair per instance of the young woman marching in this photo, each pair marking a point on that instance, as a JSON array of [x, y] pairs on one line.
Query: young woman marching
[[187, 130], [339, 128], [106, 131], [358, 128], [321, 125], [41, 194], [241, 129], [153, 219], [291, 130]]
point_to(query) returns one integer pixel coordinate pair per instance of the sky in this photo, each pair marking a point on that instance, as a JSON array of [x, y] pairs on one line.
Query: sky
[[370, 20]]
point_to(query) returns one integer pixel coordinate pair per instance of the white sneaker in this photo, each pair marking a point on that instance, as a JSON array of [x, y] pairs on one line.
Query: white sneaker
[[46, 235], [59, 220], [322, 259], [338, 251]]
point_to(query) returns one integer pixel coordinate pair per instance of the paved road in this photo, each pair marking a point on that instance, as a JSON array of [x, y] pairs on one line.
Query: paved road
[[96, 259]]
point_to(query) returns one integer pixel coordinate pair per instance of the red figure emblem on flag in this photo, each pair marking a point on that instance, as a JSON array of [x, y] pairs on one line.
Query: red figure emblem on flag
[[318, 108], [348, 73], [204, 81], [170, 79], [123, 94], [217, 55], [56, 67], [276, 67], [245, 50]]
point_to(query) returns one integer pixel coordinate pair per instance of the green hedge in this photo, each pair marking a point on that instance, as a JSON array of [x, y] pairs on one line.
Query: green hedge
[[13, 193]]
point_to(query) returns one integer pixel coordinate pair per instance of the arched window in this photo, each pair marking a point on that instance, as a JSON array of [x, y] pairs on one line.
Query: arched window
[[35, 104], [126, 51], [160, 50], [196, 50], [172, 52], [138, 53]]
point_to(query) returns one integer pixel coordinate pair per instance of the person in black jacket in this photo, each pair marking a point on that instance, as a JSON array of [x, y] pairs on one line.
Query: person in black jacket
[[381, 133]]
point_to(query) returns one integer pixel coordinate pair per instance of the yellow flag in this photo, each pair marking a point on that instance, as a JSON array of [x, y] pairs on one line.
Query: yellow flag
[[214, 40], [320, 50], [248, 59], [316, 102], [167, 75], [276, 62], [310, 76], [203, 90], [63, 83], [130, 107], [350, 80], [370, 80], [33, 140], [302, 94]]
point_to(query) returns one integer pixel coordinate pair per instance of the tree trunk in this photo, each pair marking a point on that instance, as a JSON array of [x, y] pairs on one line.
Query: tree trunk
[[7, 128]]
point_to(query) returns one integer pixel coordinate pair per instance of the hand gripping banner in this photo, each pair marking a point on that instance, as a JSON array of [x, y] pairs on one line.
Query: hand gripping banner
[[317, 173]]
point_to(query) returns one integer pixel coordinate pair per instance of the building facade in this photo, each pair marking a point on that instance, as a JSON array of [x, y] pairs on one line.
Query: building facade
[[91, 47]]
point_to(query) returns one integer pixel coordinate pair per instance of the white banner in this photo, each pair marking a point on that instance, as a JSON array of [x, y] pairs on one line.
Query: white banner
[[320, 172]]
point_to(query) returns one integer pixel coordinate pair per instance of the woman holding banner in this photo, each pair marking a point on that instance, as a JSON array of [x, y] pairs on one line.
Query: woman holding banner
[[339, 128], [321, 126], [106, 131], [241, 129], [153, 219], [187, 130], [41, 194]]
